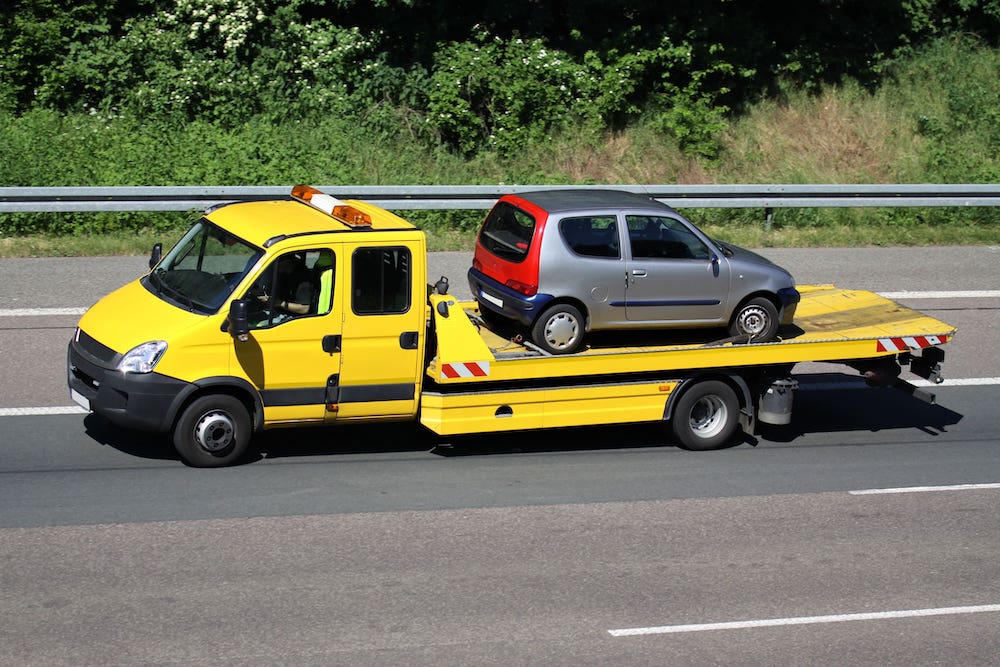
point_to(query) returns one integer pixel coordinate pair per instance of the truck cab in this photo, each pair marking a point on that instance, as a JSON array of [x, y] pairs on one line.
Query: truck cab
[[244, 324]]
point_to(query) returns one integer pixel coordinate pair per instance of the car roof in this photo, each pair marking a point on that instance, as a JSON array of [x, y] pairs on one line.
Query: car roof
[[562, 201]]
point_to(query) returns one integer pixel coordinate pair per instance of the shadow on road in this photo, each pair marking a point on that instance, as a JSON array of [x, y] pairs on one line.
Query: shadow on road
[[826, 403], [835, 403], [134, 443]]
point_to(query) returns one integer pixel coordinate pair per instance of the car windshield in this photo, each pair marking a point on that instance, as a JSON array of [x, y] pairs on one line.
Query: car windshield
[[201, 271]]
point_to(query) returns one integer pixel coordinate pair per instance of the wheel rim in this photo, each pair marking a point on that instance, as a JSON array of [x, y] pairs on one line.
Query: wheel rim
[[753, 320], [561, 331], [709, 416], [215, 431]]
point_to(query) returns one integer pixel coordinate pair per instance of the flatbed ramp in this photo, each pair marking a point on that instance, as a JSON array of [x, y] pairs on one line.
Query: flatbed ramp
[[831, 324]]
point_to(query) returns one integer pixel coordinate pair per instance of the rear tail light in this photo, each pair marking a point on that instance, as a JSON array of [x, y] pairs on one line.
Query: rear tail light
[[523, 288], [476, 264]]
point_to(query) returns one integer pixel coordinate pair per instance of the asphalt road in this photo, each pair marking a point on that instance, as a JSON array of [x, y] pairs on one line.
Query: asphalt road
[[576, 547]]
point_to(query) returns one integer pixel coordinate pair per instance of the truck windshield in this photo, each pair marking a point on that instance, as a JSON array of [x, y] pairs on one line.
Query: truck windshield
[[201, 271]]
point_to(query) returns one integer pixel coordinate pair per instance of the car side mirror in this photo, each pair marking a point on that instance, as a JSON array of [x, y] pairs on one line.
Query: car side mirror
[[155, 255], [238, 323]]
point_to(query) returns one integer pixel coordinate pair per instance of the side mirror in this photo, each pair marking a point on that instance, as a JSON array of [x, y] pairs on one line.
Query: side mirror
[[238, 323], [156, 255]]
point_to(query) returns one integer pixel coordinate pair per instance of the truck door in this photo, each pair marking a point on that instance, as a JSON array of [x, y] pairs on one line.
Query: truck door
[[381, 360], [296, 317], [672, 274]]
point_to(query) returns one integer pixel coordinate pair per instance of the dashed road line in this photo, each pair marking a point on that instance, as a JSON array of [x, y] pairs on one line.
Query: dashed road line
[[925, 489], [33, 412], [804, 620]]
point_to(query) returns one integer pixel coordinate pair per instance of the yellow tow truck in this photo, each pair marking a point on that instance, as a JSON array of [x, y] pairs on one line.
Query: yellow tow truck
[[311, 310]]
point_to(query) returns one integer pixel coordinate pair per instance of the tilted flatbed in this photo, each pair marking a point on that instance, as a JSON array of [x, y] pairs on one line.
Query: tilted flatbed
[[481, 381]]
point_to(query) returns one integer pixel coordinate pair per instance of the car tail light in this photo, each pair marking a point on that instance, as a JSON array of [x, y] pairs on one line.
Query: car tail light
[[523, 288], [476, 264]]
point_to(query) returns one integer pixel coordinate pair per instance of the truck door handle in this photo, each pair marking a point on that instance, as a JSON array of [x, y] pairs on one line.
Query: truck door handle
[[409, 340], [331, 343]]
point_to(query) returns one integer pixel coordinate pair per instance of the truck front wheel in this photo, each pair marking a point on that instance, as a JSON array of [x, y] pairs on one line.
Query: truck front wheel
[[213, 431], [706, 416]]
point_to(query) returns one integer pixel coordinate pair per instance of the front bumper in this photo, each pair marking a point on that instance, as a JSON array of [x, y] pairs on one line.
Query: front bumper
[[789, 297], [143, 401]]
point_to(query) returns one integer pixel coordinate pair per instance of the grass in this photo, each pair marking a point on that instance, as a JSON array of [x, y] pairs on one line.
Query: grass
[[933, 121]]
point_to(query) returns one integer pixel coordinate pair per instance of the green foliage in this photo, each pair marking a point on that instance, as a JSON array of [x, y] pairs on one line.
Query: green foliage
[[133, 92]]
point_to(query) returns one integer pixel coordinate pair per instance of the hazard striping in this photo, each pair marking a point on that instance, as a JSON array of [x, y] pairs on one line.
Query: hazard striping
[[925, 489], [805, 620], [466, 370], [40, 312], [953, 294], [33, 412], [902, 344]]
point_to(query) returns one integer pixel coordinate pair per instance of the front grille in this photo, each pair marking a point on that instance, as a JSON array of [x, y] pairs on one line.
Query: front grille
[[95, 349]]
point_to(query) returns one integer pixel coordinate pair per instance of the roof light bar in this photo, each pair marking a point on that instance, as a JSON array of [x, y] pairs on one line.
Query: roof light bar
[[332, 206]]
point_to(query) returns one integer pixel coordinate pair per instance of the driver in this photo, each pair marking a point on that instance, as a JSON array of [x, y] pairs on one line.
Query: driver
[[294, 289]]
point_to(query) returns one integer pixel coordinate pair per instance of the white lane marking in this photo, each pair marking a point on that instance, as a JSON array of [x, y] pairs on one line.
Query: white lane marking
[[40, 312], [804, 620], [32, 412], [859, 383], [925, 489], [954, 294], [958, 382]]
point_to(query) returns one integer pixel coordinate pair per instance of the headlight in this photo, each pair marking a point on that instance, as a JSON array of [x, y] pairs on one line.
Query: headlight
[[142, 358]]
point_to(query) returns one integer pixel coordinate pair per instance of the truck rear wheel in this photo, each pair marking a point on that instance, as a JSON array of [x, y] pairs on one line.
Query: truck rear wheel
[[213, 431], [706, 416]]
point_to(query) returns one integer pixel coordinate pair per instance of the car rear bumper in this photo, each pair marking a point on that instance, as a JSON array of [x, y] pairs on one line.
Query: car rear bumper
[[502, 300]]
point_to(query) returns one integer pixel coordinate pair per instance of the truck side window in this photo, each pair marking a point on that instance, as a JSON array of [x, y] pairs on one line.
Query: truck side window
[[296, 284], [381, 281]]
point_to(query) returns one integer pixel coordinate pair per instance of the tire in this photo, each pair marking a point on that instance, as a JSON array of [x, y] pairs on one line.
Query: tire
[[757, 318], [559, 329], [706, 416], [213, 431]]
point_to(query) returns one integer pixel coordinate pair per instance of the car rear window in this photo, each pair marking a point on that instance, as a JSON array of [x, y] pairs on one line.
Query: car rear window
[[507, 232]]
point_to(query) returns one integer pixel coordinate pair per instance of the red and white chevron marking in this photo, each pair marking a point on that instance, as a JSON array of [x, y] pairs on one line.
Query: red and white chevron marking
[[470, 369], [909, 343]]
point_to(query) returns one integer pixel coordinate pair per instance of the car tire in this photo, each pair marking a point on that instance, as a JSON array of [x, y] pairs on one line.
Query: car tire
[[213, 431], [559, 329], [706, 416], [757, 319]]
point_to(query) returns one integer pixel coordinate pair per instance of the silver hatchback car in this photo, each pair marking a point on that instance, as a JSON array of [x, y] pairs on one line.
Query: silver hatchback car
[[565, 262]]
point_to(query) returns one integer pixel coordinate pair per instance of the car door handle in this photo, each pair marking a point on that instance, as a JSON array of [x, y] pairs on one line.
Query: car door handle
[[638, 272]]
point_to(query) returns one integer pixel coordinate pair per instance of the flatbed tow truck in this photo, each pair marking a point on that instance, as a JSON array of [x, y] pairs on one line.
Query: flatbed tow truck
[[165, 354]]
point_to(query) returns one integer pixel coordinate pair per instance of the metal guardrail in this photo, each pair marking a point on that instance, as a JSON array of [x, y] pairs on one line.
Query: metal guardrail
[[417, 197]]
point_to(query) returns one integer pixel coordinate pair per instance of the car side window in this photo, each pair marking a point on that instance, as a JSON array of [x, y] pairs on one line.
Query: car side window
[[381, 281], [591, 236], [661, 237], [296, 284]]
